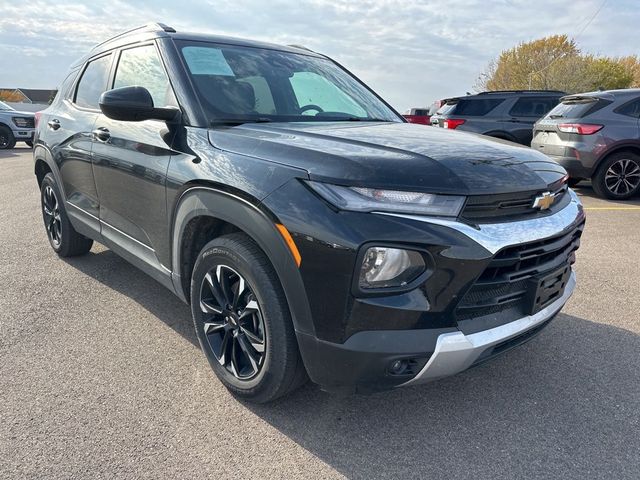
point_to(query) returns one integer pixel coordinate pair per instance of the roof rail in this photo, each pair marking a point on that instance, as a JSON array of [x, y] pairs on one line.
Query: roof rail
[[490, 92], [149, 27], [301, 47]]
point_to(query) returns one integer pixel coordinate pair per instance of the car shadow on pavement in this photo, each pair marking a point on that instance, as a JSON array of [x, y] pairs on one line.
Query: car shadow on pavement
[[584, 189], [565, 405], [118, 274]]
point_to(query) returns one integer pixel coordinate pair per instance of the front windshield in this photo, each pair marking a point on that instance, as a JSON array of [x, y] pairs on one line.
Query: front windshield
[[4, 106], [248, 84]]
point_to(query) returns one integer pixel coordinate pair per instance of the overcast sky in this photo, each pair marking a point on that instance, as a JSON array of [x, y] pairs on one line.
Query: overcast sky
[[409, 52]]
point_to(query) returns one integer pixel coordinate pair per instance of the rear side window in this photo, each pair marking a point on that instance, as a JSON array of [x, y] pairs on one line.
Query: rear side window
[[93, 82], [141, 66], [477, 107], [630, 109], [534, 107]]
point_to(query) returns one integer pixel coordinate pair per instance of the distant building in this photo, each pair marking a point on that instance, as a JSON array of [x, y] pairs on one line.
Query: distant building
[[27, 95]]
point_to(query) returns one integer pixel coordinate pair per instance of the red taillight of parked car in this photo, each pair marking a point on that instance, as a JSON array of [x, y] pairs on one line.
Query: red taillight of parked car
[[419, 119], [37, 118], [453, 123], [580, 128]]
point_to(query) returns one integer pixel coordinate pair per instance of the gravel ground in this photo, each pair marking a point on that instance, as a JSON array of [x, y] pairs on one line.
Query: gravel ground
[[101, 377]]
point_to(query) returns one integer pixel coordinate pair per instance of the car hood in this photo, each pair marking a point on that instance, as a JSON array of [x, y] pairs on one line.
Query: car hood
[[13, 113], [398, 156]]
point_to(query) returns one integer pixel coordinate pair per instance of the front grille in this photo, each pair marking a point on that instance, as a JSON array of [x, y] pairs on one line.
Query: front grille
[[506, 283], [510, 206], [24, 122]]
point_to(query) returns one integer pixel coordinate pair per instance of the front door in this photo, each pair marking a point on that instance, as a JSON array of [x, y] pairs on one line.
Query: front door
[[131, 161]]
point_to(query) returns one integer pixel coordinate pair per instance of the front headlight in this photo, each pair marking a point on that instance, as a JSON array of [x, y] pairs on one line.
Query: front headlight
[[361, 199]]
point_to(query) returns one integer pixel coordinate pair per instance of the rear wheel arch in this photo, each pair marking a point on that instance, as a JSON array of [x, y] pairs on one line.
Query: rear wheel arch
[[41, 169], [630, 147], [204, 213]]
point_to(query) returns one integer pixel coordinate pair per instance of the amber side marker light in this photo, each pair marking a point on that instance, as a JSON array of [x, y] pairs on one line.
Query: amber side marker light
[[290, 243]]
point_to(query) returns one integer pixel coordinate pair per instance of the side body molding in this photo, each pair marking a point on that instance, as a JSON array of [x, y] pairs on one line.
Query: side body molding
[[207, 201]]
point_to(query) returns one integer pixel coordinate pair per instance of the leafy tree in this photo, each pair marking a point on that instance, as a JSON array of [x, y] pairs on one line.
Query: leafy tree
[[556, 63]]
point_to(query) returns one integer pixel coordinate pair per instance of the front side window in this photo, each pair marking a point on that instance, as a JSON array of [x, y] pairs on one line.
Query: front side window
[[93, 82], [254, 84], [141, 66]]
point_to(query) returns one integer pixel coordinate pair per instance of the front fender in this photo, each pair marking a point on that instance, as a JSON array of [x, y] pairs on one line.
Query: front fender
[[206, 201]]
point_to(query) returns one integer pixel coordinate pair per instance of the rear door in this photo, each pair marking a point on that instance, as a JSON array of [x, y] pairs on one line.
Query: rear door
[[524, 113], [131, 161], [69, 136]]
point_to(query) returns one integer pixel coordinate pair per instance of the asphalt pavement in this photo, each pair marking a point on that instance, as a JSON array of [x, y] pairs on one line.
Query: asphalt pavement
[[101, 377]]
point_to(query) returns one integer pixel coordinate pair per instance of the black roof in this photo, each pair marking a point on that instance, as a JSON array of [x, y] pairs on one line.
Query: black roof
[[160, 30]]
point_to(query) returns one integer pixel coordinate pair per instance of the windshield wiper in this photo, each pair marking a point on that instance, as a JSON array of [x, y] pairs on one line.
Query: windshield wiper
[[238, 121], [555, 116]]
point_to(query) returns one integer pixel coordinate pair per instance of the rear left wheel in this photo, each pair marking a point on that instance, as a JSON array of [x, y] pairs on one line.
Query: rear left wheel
[[62, 236], [618, 178]]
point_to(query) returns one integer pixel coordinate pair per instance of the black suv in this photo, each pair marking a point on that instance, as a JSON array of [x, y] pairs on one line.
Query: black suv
[[312, 230], [508, 115]]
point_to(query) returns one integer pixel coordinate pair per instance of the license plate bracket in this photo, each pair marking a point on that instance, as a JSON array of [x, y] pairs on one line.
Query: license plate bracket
[[548, 288]]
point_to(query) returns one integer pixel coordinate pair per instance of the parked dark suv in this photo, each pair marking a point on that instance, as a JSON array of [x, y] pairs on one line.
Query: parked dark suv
[[508, 115], [596, 135], [312, 230]]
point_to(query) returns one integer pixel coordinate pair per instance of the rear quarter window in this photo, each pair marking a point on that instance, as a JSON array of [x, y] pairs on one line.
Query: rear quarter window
[[477, 107], [630, 109]]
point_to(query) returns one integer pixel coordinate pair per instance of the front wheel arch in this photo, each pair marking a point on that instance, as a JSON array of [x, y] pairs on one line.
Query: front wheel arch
[[227, 213]]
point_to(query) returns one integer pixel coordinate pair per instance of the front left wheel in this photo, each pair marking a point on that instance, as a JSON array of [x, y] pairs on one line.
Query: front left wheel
[[7, 140], [242, 320]]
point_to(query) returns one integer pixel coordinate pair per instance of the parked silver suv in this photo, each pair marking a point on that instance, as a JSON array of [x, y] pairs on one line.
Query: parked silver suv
[[15, 127], [596, 135]]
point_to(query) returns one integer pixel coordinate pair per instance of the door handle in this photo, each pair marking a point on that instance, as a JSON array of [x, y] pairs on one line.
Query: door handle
[[54, 124], [102, 134]]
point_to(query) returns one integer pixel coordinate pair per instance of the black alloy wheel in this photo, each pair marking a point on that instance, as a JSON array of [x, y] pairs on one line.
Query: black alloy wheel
[[242, 320], [7, 140], [232, 322], [51, 213], [64, 239]]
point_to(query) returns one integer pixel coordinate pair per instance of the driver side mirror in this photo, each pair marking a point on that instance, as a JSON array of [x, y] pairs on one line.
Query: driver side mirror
[[134, 104]]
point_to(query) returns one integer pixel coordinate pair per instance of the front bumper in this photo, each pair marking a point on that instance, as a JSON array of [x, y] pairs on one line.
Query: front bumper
[[455, 352], [434, 349], [23, 134]]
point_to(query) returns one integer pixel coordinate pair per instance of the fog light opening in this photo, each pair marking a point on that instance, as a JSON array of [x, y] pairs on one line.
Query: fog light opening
[[398, 367], [390, 267]]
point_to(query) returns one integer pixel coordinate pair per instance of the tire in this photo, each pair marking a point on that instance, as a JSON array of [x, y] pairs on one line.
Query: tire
[[64, 240], [259, 361], [618, 176], [7, 140], [572, 182], [29, 143]]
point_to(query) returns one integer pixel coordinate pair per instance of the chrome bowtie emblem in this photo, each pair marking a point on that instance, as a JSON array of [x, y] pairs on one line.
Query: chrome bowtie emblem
[[544, 201]]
